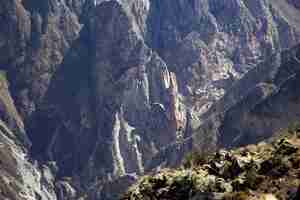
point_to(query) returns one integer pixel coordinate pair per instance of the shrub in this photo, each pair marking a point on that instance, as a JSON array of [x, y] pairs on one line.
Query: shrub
[[195, 158], [236, 196], [3, 76]]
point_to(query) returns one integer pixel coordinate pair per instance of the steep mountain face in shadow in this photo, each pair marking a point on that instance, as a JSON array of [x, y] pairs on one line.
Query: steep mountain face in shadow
[[103, 91]]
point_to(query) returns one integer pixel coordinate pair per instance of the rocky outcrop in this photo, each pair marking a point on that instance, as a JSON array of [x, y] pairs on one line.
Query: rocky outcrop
[[251, 172], [9, 113], [20, 178]]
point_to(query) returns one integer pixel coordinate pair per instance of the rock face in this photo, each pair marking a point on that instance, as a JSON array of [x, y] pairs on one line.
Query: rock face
[[21, 178], [135, 90], [256, 107], [34, 39], [267, 106], [37, 36], [271, 104], [105, 88]]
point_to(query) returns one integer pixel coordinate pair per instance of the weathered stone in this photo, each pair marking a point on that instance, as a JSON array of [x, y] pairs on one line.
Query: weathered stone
[[20, 179], [65, 191], [109, 88]]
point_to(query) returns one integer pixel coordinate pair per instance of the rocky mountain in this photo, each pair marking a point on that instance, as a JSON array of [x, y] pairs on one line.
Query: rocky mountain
[[96, 93], [261, 103]]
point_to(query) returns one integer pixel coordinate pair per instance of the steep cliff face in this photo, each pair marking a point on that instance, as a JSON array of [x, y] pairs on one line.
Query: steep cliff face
[[104, 88], [124, 102], [260, 104], [212, 43], [36, 37], [21, 178], [134, 92], [264, 100], [271, 103]]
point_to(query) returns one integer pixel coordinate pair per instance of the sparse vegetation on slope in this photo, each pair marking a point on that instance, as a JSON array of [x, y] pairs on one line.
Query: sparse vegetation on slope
[[268, 170]]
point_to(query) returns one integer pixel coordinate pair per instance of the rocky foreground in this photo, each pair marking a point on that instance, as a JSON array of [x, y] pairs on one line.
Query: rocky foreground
[[268, 170]]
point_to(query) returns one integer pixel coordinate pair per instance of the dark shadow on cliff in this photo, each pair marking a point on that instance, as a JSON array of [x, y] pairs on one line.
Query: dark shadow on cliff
[[57, 128]]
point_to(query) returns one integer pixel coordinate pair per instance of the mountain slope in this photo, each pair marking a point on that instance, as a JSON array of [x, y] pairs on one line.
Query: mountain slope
[[263, 171], [101, 90]]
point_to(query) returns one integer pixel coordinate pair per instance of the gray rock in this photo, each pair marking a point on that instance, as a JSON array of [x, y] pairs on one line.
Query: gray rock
[[20, 179], [107, 88]]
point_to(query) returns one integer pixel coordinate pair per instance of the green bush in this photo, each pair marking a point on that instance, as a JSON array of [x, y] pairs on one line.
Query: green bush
[[236, 196], [3, 76], [195, 158]]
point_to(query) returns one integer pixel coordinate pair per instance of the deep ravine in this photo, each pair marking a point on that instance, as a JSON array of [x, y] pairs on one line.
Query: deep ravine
[[94, 94]]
